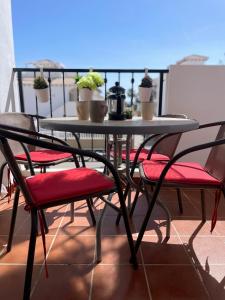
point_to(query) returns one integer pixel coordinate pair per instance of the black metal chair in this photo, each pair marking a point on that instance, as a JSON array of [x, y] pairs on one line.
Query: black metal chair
[[33, 157], [175, 174], [163, 148], [46, 190]]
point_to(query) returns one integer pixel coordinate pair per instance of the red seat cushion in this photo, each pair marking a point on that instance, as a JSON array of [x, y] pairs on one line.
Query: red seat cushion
[[44, 156], [182, 172], [62, 185], [143, 155]]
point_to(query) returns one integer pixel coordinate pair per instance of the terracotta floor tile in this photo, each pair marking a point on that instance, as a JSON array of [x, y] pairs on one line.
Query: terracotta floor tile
[[72, 250], [80, 226], [213, 278], [12, 281], [18, 253], [220, 228], [117, 283], [189, 227], [115, 250], [205, 250], [157, 251], [64, 282], [109, 226], [175, 283], [154, 227]]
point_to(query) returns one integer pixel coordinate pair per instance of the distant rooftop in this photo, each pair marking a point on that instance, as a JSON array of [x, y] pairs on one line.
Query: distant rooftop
[[193, 59]]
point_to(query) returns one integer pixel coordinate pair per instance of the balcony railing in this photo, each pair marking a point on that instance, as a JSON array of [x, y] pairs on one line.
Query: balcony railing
[[128, 78]]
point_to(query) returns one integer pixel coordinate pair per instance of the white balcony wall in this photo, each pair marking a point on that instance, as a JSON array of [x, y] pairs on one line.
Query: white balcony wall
[[199, 92], [57, 101], [8, 95]]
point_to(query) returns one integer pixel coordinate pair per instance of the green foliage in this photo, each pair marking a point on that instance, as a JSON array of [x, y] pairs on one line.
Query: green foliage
[[77, 78], [146, 82], [40, 83], [91, 81], [97, 78], [86, 82], [128, 113]]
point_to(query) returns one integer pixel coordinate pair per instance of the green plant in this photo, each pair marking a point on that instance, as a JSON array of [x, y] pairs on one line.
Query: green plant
[[97, 78], [146, 82], [128, 113], [86, 82], [40, 83], [91, 81]]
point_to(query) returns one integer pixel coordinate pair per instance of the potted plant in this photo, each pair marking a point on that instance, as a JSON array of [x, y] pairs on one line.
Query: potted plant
[[41, 89], [87, 84], [145, 92], [145, 89]]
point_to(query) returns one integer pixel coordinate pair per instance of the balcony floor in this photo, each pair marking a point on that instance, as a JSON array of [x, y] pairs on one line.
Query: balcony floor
[[191, 265]]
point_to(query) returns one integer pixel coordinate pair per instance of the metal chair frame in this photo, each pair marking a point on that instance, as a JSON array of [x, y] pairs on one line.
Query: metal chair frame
[[160, 182], [8, 133]]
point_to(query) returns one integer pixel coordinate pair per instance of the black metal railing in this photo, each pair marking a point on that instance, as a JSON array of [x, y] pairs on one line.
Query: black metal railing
[[130, 77], [105, 72]]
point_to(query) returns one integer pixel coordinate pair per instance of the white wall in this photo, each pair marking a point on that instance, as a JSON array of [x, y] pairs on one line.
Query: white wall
[[199, 92], [8, 99]]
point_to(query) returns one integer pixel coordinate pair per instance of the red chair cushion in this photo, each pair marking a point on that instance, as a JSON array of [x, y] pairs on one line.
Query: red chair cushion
[[44, 156], [143, 155], [182, 172], [62, 185]]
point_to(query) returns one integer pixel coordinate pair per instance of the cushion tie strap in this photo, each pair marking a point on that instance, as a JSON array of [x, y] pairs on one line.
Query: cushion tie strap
[[214, 216]]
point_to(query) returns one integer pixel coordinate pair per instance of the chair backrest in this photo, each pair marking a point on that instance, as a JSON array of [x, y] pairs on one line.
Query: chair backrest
[[215, 164], [7, 152], [20, 120], [169, 145]]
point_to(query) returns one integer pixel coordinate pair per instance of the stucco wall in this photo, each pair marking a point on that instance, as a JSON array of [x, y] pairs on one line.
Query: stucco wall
[[7, 60], [199, 92]]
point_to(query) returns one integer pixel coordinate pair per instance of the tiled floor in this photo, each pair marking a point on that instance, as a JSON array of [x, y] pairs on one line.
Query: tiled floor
[[191, 265]]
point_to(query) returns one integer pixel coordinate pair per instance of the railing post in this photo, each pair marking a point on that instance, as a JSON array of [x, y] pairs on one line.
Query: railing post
[[160, 93], [20, 84]]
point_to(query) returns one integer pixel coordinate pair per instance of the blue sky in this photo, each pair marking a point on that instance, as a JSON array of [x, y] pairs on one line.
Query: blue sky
[[118, 34]]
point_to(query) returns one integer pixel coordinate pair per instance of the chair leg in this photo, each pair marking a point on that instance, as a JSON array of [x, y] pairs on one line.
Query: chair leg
[[99, 232], [89, 204], [125, 196], [13, 219], [203, 205], [180, 204], [134, 203], [72, 212], [30, 257]]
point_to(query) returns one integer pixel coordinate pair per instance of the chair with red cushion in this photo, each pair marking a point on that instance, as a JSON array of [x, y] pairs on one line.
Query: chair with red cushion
[[34, 157], [46, 190], [177, 174]]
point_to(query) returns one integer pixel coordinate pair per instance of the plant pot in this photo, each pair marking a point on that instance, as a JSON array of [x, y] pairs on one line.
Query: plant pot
[[98, 110], [145, 94], [83, 110], [147, 110], [85, 94], [42, 95]]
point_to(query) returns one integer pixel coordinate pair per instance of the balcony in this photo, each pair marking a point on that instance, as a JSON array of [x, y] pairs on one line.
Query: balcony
[[190, 265]]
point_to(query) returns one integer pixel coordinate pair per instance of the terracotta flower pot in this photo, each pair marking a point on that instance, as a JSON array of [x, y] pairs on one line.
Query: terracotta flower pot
[[147, 110], [98, 110], [83, 110]]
